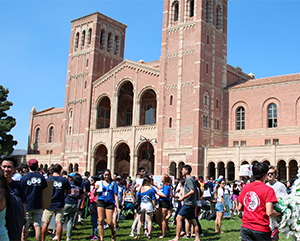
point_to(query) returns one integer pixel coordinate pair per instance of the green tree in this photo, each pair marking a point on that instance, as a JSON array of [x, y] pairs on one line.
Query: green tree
[[6, 124]]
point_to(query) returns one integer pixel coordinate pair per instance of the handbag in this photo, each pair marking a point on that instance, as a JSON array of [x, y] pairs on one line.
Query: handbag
[[137, 203]]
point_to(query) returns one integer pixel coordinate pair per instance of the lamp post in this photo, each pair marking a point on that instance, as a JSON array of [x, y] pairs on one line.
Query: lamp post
[[142, 138]]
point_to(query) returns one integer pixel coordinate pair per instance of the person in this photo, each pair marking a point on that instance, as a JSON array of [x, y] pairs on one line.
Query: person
[[9, 165], [235, 196], [33, 185], [256, 200], [107, 191], [93, 209], [164, 204], [147, 194], [190, 203], [60, 186], [280, 190], [87, 184], [71, 202], [5, 200], [121, 197], [220, 206]]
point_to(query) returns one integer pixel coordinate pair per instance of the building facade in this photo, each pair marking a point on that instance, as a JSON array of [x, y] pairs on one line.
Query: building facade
[[188, 107]]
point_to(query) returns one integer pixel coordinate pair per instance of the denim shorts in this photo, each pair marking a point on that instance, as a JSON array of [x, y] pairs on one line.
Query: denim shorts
[[188, 212], [219, 207]]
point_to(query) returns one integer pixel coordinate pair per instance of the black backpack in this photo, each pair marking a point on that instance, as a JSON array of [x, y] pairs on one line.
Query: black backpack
[[15, 218]]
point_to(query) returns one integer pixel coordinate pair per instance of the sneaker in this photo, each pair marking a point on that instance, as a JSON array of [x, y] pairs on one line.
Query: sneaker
[[117, 227], [146, 233], [55, 237], [131, 234], [186, 237], [95, 238], [201, 235], [89, 237], [68, 239], [105, 226]]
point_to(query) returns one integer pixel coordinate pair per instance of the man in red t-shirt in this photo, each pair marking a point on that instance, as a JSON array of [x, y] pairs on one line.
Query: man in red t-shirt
[[256, 200]]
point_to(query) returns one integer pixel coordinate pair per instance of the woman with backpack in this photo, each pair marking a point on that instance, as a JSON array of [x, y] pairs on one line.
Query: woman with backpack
[[147, 197], [107, 191]]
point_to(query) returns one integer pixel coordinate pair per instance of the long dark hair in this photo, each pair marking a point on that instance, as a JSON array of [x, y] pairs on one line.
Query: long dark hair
[[107, 170], [218, 185], [4, 189]]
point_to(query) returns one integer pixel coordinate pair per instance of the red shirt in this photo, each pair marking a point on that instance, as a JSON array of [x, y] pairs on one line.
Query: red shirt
[[254, 197]]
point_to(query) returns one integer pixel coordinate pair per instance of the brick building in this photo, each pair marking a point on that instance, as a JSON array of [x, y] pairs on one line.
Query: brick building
[[188, 107]]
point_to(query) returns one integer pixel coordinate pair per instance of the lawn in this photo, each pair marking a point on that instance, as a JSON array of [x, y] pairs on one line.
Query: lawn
[[231, 227]]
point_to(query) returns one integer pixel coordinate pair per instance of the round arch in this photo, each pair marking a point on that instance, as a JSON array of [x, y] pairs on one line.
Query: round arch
[[233, 111], [121, 82], [230, 170], [264, 109], [173, 169], [148, 107], [267, 162], [122, 159], [293, 168], [100, 157], [244, 162], [211, 169], [221, 168], [281, 169], [146, 156]]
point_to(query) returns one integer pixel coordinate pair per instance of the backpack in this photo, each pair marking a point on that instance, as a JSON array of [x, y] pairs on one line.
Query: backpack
[[15, 218]]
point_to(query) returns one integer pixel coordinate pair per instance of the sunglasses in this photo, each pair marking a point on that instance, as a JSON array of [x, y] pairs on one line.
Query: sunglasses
[[271, 173]]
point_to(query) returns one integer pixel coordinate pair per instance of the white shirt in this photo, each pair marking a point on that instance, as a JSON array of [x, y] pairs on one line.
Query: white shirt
[[279, 188], [220, 194]]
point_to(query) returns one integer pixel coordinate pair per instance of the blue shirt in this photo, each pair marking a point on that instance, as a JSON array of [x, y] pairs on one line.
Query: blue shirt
[[165, 190], [33, 184], [73, 196], [147, 196], [60, 185], [107, 194], [17, 190], [121, 190]]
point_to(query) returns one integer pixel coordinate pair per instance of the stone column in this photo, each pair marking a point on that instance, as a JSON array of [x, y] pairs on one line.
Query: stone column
[[92, 168], [133, 165], [287, 172], [226, 172], [216, 172]]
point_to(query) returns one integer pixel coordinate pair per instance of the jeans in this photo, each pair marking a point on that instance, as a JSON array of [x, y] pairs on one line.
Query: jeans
[[69, 213], [94, 220], [252, 235]]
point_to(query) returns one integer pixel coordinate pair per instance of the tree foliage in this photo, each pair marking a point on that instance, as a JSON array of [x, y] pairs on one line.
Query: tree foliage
[[6, 124]]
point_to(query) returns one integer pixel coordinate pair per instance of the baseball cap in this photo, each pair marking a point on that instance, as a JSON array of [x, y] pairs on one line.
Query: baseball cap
[[72, 174], [118, 178], [32, 161]]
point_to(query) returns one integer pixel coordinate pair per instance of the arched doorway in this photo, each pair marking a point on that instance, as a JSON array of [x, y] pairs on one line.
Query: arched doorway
[[281, 168], [173, 170], [211, 169], [254, 162], [244, 162], [179, 173], [125, 104], [100, 158], [221, 169], [148, 108], [103, 113], [146, 157], [122, 160], [230, 171], [267, 162], [293, 169]]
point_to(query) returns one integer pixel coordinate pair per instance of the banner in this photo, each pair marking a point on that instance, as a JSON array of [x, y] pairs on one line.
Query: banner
[[227, 214]]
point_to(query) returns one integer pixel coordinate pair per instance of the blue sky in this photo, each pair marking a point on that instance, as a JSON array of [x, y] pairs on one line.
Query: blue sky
[[263, 38]]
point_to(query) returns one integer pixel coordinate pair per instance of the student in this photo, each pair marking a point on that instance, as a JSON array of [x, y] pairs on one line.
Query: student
[[5, 201], [60, 186], [107, 192], [190, 203], [33, 185], [147, 194], [257, 199], [121, 196], [71, 202], [220, 206]]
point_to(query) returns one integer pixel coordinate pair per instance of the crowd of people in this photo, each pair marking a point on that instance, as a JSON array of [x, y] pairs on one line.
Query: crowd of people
[[22, 199]]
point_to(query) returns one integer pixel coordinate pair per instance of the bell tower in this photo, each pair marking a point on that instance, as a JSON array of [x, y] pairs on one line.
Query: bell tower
[[193, 74], [96, 46]]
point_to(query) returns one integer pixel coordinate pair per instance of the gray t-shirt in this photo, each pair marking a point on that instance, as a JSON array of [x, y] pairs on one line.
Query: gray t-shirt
[[188, 186], [279, 188]]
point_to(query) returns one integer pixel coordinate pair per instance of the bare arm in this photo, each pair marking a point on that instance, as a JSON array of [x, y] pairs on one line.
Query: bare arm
[[270, 211], [191, 192], [241, 207], [223, 202]]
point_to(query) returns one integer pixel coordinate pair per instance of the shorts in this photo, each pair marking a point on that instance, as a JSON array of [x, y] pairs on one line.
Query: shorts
[[36, 216], [106, 205], [252, 235], [146, 207], [59, 214], [165, 204], [188, 212], [234, 197], [219, 207]]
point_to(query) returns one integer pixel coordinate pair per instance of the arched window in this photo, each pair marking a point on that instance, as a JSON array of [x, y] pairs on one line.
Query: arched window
[[170, 122], [192, 8], [108, 42], [128, 117], [70, 168], [217, 104], [51, 133], [171, 99], [206, 99], [207, 39], [219, 18], [175, 11], [37, 135], [83, 38], [206, 68], [101, 37], [90, 36], [240, 118], [76, 167], [71, 113], [217, 127], [208, 11], [116, 44], [76, 40], [272, 116], [205, 121], [149, 115], [70, 130]]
